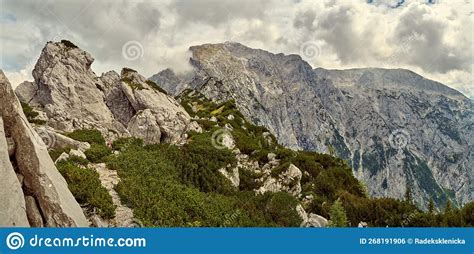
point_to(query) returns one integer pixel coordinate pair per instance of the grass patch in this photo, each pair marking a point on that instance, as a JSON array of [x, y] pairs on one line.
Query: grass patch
[[90, 136], [85, 185]]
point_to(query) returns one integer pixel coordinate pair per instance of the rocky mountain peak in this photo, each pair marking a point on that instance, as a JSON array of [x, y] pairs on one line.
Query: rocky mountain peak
[[70, 97], [356, 114]]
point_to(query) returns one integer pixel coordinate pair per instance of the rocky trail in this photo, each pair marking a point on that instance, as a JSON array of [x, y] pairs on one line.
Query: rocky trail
[[123, 214]]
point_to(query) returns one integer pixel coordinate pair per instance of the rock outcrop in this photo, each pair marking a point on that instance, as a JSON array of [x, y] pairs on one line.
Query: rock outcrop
[[289, 180], [41, 179], [396, 128], [311, 220], [13, 212], [72, 97], [69, 91]]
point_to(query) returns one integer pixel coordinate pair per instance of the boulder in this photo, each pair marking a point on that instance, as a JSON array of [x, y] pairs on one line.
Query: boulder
[[232, 175], [13, 209], [26, 91], [41, 178], [316, 221], [271, 156], [289, 180], [55, 140], [311, 220], [77, 153], [194, 126], [33, 213], [145, 126], [62, 157]]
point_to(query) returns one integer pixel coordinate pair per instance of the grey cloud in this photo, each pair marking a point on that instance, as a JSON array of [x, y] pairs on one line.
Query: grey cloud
[[426, 41], [217, 12], [350, 33], [305, 19]]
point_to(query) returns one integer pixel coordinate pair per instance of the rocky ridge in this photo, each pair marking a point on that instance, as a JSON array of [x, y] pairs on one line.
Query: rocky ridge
[[71, 97], [34, 192], [396, 129]]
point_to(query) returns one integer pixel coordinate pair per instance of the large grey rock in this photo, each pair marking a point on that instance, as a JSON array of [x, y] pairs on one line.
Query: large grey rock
[[33, 213], [55, 140], [69, 92], [289, 180], [145, 126], [41, 178], [311, 220], [170, 116], [360, 115], [109, 80], [13, 208], [62, 157], [26, 91]]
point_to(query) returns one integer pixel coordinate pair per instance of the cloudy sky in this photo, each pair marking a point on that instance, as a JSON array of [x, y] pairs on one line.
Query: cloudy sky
[[431, 37]]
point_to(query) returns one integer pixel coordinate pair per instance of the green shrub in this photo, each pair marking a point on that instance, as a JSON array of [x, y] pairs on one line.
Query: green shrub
[[86, 187], [132, 84], [31, 114], [91, 136], [278, 170], [199, 164], [125, 143], [337, 215], [55, 153], [282, 208], [78, 160], [468, 214], [97, 153], [248, 180]]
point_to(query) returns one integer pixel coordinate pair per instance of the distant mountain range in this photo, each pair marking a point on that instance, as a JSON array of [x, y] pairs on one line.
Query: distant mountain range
[[395, 128]]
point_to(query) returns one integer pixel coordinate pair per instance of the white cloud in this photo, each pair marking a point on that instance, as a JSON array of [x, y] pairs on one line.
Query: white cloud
[[435, 40]]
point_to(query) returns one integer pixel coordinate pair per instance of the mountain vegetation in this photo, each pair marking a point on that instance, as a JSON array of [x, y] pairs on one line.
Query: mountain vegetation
[[170, 185]]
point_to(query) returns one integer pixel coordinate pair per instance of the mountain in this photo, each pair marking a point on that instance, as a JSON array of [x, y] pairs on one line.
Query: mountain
[[395, 128], [133, 155]]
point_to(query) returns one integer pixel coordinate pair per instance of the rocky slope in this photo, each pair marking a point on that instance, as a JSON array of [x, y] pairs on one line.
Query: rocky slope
[[33, 192], [396, 129]]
